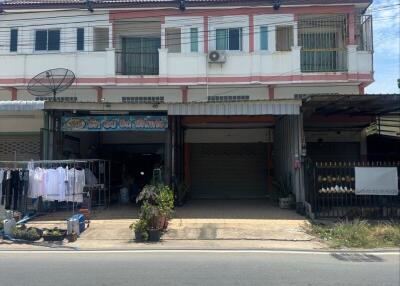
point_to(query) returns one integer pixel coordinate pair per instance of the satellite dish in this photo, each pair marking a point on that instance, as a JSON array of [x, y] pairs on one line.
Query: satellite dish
[[52, 81]]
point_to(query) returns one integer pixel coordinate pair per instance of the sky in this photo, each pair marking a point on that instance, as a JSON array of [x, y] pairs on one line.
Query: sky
[[386, 25]]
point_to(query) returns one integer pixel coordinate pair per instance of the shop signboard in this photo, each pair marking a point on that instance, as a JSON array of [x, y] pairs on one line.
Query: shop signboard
[[114, 123], [376, 181]]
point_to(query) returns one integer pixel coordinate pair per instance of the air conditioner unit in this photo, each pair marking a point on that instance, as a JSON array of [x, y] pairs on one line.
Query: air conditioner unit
[[216, 57]]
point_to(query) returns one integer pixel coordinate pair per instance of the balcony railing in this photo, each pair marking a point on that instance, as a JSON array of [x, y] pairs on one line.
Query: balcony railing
[[364, 33], [137, 63], [323, 40], [323, 60]]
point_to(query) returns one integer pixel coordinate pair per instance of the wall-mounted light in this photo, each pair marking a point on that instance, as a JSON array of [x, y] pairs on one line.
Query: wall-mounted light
[[276, 4], [182, 5]]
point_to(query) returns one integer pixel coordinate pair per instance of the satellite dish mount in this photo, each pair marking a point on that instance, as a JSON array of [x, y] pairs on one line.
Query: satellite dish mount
[[51, 82]]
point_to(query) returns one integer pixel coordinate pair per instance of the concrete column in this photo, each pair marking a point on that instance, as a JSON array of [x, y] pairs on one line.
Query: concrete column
[[296, 63], [51, 134], [363, 145], [251, 33], [111, 41], [163, 62], [205, 31], [167, 155], [352, 29], [271, 92], [45, 136], [99, 93], [14, 93], [110, 63], [184, 91]]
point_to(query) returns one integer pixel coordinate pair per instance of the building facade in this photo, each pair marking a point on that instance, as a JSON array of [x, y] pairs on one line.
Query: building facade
[[225, 79]]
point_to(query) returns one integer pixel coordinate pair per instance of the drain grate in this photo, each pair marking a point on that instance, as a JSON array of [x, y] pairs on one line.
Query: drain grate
[[357, 257]]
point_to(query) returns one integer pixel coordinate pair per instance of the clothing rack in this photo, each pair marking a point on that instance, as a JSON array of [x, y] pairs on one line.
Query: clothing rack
[[99, 167]]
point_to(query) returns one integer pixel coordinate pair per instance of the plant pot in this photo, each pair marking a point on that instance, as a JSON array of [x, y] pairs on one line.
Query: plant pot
[[50, 237], [285, 203], [155, 235], [158, 222], [139, 236]]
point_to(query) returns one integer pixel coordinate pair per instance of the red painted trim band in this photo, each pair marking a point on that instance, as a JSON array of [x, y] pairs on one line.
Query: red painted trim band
[[365, 78]]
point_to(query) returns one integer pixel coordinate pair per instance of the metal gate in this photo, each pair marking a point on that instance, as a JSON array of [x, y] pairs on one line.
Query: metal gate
[[20, 147], [330, 190]]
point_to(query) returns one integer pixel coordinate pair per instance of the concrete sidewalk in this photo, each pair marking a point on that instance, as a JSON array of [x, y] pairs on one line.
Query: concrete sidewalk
[[186, 234], [203, 224]]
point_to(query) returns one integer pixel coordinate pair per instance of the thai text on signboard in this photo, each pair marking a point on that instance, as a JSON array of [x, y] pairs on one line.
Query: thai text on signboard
[[114, 123]]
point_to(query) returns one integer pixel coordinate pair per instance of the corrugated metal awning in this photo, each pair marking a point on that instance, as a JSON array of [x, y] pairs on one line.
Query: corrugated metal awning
[[287, 107], [18, 105], [351, 104]]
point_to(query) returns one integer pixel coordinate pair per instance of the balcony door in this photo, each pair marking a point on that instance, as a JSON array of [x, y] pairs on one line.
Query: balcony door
[[140, 56]]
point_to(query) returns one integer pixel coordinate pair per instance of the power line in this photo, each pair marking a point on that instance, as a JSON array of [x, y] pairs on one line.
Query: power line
[[133, 21], [73, 42], [183, 15]]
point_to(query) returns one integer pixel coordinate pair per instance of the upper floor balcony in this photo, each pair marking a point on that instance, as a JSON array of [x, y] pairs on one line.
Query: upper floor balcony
[[259, 48]]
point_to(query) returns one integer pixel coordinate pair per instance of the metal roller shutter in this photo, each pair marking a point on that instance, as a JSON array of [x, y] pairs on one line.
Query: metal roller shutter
[[228, 171], [19, 147]]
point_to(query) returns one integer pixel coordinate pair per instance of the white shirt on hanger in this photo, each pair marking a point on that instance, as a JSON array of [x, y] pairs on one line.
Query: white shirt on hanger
[[51, 185], [62, 180]]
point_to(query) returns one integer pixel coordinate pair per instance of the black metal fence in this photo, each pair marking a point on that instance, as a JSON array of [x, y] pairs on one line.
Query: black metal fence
[[331, 192], [128, 63]]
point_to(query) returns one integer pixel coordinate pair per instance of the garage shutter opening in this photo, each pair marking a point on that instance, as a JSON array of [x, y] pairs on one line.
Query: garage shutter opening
[[228, 170]]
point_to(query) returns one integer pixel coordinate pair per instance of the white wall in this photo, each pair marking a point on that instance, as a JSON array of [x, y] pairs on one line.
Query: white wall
[[94, 64], [66, 21]]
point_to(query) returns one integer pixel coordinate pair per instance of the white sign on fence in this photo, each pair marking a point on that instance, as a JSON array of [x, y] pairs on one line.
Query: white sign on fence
[[376, 181]]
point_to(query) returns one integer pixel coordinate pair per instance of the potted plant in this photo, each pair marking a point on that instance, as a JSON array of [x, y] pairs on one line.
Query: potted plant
[[141, 229], [150, 215], [157, 203]]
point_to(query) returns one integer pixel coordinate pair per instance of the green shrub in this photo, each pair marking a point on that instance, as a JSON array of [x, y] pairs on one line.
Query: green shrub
[[165, 200], [21, 232]]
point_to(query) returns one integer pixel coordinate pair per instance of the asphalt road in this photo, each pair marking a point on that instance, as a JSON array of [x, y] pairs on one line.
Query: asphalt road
[[197, 268]]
